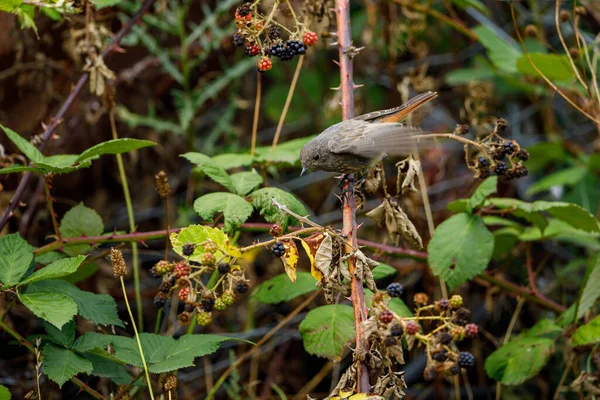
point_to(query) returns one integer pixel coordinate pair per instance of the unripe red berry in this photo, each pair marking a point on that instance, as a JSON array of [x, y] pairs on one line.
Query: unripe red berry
[[184, 294], [208, 259], [182, 270], [411, 328], [386, 316], [471, 330], [265, 64], [310, 38]]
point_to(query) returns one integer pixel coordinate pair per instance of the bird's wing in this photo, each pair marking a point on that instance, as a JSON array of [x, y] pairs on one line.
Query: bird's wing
[[397, 114], [375, 139]]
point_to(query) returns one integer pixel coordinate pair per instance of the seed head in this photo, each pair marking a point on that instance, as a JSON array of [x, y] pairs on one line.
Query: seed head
[[170, 383], [162, 184], [118, 262]]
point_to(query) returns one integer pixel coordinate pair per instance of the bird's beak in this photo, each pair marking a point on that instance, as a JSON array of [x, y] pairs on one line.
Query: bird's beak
[[303, 171]]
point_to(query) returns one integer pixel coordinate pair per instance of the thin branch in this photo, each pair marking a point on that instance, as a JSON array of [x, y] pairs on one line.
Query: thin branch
[[564, 44], [57, 119], [256, 112], [288, 100]]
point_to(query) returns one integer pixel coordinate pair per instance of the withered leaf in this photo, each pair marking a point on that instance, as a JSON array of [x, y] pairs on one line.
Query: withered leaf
[[313, 269], [408, 170], [290, 258], [378, 214], [324, 255]]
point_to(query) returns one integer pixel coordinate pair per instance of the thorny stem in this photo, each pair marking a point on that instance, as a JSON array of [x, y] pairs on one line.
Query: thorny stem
[[57, 119], [50, 202], [262, 341], [131, 217], [342, 9], [76, 381], [288, 100]]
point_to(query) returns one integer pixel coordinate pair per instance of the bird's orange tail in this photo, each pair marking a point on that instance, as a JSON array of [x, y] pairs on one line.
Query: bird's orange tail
[[403, 111]]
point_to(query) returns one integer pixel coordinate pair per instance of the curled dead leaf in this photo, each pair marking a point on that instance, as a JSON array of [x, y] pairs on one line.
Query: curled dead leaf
[[408, 170], [396, 222]]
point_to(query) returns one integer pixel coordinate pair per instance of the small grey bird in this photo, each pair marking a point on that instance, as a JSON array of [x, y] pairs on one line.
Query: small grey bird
[[358, 143]]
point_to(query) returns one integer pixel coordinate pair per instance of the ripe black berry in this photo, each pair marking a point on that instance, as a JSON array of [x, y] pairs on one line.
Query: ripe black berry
[[241, 287], [390, 341], [244, 10], [445, 338], [278, 249], [159, 300], [154, 272], [207, 304], [501, 168], [274, 32], [483, 162], [295, 47], [466, 360], [188, 249], [454, 370], [224, 267], [165, 287], [522, 155], [440, 355], [509, 147], [238, 39], [395, 289], [485, 173], [520, 171], [396, 330], [188, 307], [498, 154]]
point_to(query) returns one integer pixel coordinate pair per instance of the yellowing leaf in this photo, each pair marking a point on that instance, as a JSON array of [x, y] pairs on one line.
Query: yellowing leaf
[[313, 269], [199, 234], [290, 258]]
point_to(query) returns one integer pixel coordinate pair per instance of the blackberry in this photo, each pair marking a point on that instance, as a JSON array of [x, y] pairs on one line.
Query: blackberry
[[165, 287], [228, 298], [483, 162], [456, 301], [454, 370], [184, 294], [241, 287], [485, 173], [244, 10], [207, 304], [238, 39], [278, 249], [445, 338], [462, 313], [510, 175], [444, 304], [252, 50], [522, 155], [396, 330], [295, 47], [203, 318], [390, 341], [395, 289], [160, 300], [521, 171], [195, 263], [466, 360], [188, 307], [509, 147], [224, 267], [208, 259], [275, 230], [386, 316], [440, 355], [501, 168], [188, 249], [154, 272], [274, 32], [498, 154], [457, 333]]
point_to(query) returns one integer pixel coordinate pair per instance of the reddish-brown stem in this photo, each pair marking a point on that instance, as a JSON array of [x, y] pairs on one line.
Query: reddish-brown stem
[[50, 202], [57, 119], [342, 10], [530, 273]]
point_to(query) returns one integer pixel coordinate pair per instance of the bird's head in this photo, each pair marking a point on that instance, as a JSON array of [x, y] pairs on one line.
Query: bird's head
[[309, 156]]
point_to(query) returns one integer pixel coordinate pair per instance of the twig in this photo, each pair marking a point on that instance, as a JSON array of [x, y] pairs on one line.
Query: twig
[[509, 330], [288, 100], [342, 9], [256, 112], [299, 217], [262, 341], [50, 202], [562, 41], [65, 107]]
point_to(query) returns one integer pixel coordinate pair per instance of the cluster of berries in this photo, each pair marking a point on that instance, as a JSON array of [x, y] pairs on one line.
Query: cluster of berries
[[278, 249], [262, 36], [448, 326], [184, 278]]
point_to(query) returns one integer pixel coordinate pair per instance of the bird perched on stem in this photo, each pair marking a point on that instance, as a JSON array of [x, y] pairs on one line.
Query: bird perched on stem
[[356, 144]]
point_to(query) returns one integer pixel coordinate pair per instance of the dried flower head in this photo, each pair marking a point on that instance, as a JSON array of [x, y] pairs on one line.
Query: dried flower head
[[162, 184], [118, 262], [170, 383]]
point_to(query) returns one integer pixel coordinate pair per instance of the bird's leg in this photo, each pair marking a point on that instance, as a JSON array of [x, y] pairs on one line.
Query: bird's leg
[[348, 181]]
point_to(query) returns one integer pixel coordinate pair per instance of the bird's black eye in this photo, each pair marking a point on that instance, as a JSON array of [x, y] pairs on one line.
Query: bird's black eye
[[316, 157]]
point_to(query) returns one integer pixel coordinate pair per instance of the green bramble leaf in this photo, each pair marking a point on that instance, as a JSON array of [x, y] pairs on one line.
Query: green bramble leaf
[[115, 146], [233, 160], [4, 392], [108, 368], [29, 150], [15, 258], [327, 330], [502, 54], [61, 364], [566, 177], [99, 4], [57, 269], [64, 336], [472, 3], [56, 308], [590, 289], [383, 271], [245, 182], [235, 209], [486, 188], [211, 168], [262, 199], [98, 308], [460, 249], [554, 66], [19, 168], [281, 288], [80, 221], [519, 360], [197, 235], [587, 334]]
